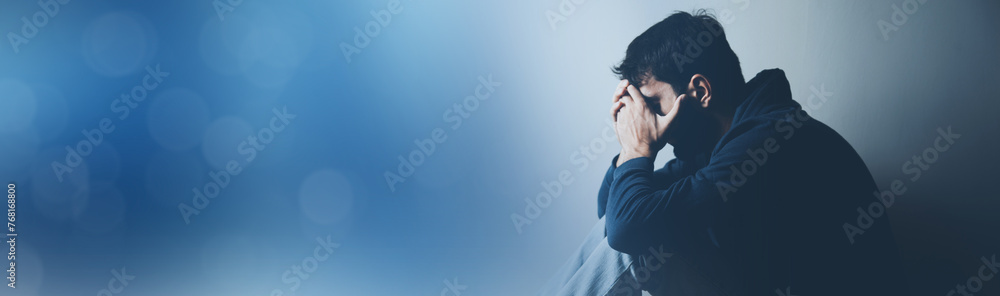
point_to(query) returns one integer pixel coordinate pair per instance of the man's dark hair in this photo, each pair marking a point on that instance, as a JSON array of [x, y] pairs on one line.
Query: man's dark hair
[[680, 46]]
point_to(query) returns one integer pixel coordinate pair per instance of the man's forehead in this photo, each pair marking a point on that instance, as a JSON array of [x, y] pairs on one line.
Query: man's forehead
[[649, 86], [643, 80]]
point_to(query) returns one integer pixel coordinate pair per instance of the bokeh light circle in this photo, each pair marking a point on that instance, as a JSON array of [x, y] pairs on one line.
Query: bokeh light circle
[[119, 43], [222, 142], [19, 106]]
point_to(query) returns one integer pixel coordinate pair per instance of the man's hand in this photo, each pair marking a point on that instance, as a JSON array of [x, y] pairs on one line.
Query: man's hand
[[641, 132], [616, 106]]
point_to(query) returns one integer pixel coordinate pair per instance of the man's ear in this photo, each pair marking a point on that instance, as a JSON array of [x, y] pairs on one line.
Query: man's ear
[[700, 89]]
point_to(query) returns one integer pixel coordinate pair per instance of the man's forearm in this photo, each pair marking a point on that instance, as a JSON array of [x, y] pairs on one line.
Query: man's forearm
[[629, 208], [602, 195]]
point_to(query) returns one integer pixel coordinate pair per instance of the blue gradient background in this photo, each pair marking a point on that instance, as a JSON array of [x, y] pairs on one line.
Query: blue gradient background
[[323, 175]]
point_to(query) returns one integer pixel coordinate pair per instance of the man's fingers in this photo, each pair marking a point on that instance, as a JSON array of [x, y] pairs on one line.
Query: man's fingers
[[677, 105], [665, 120], [615, 107], [619, 91], [636, 96], [625, 100]]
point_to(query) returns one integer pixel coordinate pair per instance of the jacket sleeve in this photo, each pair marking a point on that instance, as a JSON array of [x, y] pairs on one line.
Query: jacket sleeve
[[671, 172], [641, 213]]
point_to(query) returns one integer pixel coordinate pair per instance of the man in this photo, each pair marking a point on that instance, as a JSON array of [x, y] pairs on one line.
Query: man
[[753, 204]]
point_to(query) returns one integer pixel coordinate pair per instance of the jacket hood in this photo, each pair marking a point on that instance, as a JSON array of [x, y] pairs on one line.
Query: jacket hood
[[767, 93]]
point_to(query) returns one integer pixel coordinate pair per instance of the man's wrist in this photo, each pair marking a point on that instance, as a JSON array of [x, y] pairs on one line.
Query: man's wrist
[[627, 155]]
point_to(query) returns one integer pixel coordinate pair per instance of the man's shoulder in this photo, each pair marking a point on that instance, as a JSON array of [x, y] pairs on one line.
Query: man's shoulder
[[790, 125], [793, 137]]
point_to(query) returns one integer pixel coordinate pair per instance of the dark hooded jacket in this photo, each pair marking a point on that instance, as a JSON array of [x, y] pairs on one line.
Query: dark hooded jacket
[[782, 204]]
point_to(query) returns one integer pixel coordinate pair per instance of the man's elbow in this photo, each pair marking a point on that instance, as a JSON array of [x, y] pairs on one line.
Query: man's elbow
[[621, 236]]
